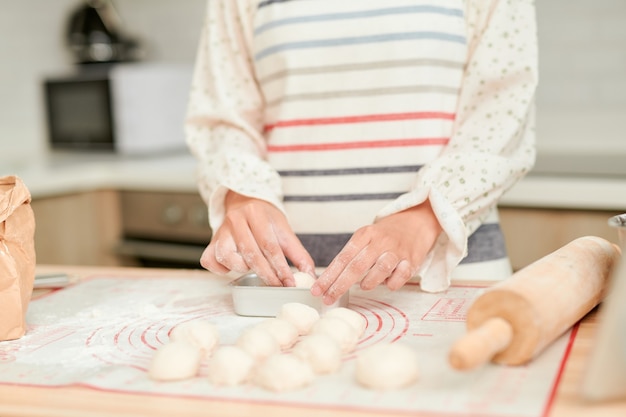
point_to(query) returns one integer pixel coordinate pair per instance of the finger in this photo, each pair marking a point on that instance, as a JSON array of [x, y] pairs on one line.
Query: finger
[[256, 261], [210, 263], [400, 275], [226, 254], [221, 257], [354, 272], [297, 254], [382, 269], [252, 255], [335, 269], [272, 253]]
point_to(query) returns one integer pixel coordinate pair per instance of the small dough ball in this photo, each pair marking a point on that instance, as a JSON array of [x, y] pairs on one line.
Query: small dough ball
[[285, 333], [338, 329], [229, 366], [356, 320], [300, 315], [199, 333], [174, 361], [258, 342], [387, 366], [283, 372], [321, 351], [303, 280]]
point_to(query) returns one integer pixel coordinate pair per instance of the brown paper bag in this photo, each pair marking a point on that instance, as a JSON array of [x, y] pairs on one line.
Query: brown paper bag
[[17, 256]]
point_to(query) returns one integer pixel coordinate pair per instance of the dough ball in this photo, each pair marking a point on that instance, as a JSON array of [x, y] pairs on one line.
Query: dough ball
[[258, 342], [285, 333], [283, 372], [199, 333], [303, 280], [340, 330], [174, 361], [356, 320], [230, 366], [321, 351], [387, 366], [300, 315]]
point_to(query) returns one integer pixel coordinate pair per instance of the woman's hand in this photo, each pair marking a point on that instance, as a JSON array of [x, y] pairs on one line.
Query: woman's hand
[[256, 236], [390, 250]]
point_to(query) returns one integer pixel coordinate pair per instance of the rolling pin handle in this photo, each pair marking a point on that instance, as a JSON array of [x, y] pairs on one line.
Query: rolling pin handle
[[479, 345]]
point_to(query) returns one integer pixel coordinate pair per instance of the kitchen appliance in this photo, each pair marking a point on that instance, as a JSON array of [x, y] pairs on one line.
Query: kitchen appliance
[[163, 229], [95, 35], [127, 108]]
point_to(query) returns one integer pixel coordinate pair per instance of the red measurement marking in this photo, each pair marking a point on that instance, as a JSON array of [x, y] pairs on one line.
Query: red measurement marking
[[448, 309]]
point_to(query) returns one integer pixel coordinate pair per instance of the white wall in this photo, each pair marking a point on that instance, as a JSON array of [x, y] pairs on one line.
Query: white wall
[[581, 99], [582, 94], [32, 45]]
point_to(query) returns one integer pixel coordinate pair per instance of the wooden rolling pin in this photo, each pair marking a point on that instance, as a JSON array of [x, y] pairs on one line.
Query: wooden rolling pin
[[513, 321]]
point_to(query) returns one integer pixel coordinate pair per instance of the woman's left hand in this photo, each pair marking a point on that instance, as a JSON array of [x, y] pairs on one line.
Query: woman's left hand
[[389, 251]]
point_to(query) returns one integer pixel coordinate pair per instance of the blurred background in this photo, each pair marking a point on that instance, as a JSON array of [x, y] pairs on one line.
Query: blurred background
[[34, 45], [581, 99], [581, 104]]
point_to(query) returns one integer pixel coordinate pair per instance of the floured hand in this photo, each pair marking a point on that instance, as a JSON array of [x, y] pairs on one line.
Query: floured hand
[[389, 251], [255, 236]]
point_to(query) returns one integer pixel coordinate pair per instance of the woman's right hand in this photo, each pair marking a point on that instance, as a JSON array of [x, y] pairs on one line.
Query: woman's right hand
[[255, 235]]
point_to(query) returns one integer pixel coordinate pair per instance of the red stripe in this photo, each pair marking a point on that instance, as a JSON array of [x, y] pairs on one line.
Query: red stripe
[[390, 143], [366, 118]]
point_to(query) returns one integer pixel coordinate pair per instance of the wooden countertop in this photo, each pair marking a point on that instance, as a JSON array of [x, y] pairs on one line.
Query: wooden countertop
[[79, 401]]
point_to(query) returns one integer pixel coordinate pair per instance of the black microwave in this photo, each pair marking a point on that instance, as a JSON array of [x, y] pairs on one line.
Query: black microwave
[[130, 108], [78, 111]]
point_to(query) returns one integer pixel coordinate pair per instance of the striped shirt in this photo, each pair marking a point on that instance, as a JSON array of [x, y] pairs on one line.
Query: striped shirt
[[339, 112]]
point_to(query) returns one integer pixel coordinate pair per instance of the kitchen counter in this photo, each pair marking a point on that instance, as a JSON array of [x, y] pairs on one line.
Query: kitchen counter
[[24, 400], [68, 173]]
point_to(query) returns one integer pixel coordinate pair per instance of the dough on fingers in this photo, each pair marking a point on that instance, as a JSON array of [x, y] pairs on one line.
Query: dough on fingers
[[303, 280]]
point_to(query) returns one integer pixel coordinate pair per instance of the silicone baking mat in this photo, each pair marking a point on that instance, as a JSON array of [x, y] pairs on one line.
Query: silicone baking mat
[[102, 333]]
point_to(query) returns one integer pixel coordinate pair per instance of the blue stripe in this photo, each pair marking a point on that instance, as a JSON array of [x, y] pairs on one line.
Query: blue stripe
[[359, 15], [485, 244], [324, 248], [388, 37], [269, 2], [341, 197], [350, 171]]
